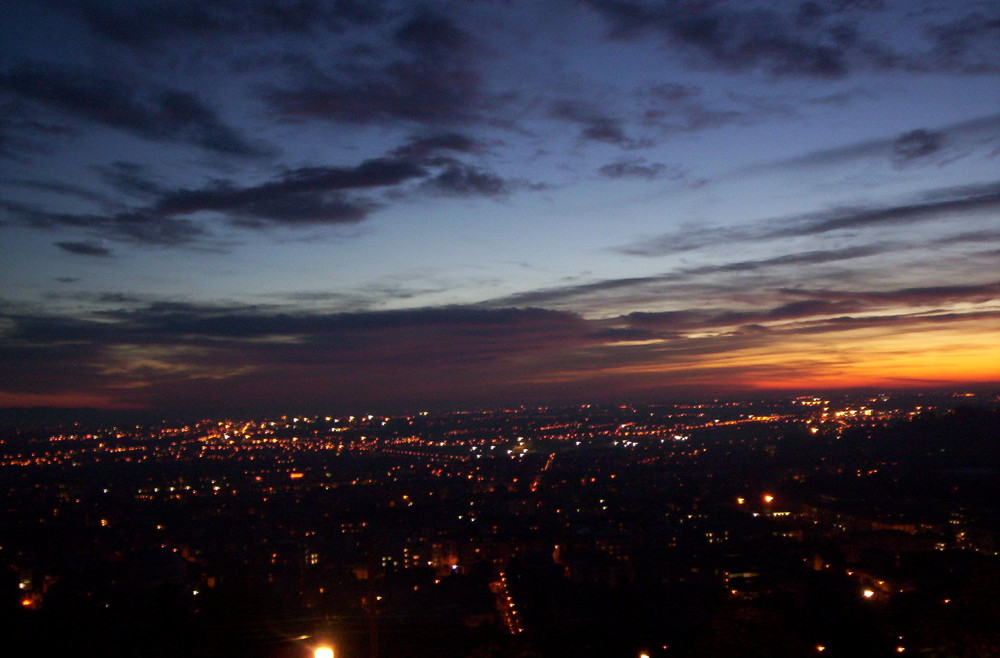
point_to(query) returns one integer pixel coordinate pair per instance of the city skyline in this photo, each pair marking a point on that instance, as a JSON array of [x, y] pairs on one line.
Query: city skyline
[[307, 204]]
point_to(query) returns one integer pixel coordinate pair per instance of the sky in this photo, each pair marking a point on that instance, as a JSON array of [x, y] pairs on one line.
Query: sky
[[304, 204]]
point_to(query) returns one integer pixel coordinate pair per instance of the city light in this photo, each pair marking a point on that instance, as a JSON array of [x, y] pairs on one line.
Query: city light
[[248, 481]]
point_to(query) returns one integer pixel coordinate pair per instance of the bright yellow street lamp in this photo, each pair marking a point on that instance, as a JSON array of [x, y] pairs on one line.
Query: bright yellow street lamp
[[323, 652]]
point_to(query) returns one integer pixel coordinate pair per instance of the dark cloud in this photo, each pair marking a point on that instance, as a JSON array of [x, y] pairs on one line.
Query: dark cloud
[[824, 311], [137, 227], [145, 228], [430, 33], [304, 196], [420, 91], [673, 92], [595, 126], [641, 168], [949, 201], [563, 293], [298, 190], [671, 107], [422, 147], [696, 116], [683, 319], [117, 298], [131, 178], [888, 321], [915, 296], [464, 180], [187, 320], [815, 257], [604, 130], [969, 199], [969, 43], [808, 308], [802, 259], [729, 38], [176, 352], [85, 249], [865, 5], [479, 333], [809, 14], [175, 348], [301, 209], [22, 134], [811, 39], [918, 145], [315, 195], [984, 237], [180, 353], [61, 188], [915, 145], [140, 25], [432, 81], [842, 98], [357, 11], [627, 334], [699, 319], [163, 115], [41, 368]]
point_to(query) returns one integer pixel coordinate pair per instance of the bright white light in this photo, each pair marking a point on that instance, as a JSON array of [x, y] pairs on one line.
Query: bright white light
[[323, 652]]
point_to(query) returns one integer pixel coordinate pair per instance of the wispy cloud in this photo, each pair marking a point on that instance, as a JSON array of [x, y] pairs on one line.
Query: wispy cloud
[[917, 146], [805, 40], [686, 275], [973, 293], [142, 25], [965, 200], [267, 355], [641, 168], [157, 114], [85, 249], [308, 196]]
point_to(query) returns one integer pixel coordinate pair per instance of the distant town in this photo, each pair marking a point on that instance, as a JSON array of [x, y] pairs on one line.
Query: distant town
[[851, 525]]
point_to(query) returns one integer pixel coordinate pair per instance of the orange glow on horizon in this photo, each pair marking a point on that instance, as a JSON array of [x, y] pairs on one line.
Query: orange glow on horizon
[[911, 356], [919, 353]]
